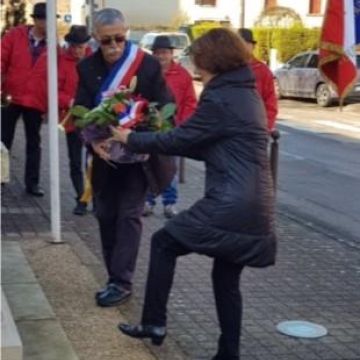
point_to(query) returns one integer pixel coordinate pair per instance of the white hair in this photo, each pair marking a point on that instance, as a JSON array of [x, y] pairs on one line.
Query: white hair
[[107, 16]]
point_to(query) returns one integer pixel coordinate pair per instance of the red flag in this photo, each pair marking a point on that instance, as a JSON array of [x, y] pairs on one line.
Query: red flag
[[337, 46]]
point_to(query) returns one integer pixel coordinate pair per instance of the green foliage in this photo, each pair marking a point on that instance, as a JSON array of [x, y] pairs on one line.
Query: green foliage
[[79, 111], [263, 37], [161, 121], [287, 41], [312, 38], [198, 30], [104, 114], [168, 111], [15, 14]]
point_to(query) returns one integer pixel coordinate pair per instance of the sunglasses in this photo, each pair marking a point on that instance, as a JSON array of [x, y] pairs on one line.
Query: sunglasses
[[108, 40]]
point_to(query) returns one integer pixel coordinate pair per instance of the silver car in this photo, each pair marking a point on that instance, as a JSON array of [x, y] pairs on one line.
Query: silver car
[[185, 60], [300, 77]]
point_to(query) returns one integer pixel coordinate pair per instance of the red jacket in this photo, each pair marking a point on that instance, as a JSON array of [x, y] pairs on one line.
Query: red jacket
[[67, 85], [16, 63], [181, 85], [266, 89]]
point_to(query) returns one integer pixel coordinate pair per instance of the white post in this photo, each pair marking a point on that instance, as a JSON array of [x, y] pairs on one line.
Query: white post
[[53, 120], [91, 14]]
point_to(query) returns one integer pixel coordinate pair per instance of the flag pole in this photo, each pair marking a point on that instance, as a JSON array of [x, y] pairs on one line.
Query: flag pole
[[53, 121]]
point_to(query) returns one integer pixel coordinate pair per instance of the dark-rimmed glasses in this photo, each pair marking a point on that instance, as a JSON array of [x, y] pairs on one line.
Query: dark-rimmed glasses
[[119, 39]]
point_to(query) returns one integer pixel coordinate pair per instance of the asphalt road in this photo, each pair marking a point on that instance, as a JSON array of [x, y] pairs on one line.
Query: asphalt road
[[319, 167]]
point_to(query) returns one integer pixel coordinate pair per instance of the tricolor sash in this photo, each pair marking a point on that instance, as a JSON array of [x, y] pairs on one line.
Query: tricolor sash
[[122, 71], [133, 116]]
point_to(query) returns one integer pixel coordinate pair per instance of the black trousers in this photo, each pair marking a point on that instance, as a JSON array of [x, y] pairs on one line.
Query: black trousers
[[32, 123], [225, 278], [119, 205], [75, 147]]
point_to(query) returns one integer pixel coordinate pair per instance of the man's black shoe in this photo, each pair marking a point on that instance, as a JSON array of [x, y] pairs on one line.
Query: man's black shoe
[[112, 296], [102, 291], [35, 190], [80, 209]]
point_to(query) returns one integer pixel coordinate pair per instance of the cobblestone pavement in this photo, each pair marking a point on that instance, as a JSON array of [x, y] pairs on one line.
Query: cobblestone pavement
[[316, 278]]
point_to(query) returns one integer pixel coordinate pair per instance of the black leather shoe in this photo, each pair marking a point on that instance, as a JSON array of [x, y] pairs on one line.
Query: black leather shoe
[[80, 209], [102, 291], [155, 333], [112, 296], [35, 190]]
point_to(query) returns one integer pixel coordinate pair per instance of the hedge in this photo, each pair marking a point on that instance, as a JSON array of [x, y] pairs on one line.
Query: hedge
[[263, 36], [287, 41], [200, 29]]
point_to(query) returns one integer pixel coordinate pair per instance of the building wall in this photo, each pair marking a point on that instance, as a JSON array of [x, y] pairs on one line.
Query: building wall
[[150, 12], [63, 8], [253, 9], [225, 10], [168, 12]]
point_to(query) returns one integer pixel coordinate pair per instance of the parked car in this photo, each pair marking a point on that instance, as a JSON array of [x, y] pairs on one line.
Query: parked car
[[180, 41], [185, 61], [135, 35], [300, 77]]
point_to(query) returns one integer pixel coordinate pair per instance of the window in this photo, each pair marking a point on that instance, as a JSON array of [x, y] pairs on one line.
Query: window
[[299, 61], [270, 4], [179, 41], [315, 7], [147, 41], [314, 61], [205, 2]]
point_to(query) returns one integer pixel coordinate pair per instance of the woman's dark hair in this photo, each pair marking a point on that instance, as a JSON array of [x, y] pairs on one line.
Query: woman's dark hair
[[219, 50]]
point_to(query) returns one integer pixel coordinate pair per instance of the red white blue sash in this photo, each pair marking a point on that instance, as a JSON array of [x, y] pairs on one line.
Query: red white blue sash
[[123, 71]]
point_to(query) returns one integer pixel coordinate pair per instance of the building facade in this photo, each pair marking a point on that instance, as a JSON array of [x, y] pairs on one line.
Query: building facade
[[237, 13], [63, 9], [311, 12]]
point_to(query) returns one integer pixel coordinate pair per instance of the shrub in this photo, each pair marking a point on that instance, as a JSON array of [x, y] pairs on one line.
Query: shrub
[[287, 41], [263, 37], [200, 29]]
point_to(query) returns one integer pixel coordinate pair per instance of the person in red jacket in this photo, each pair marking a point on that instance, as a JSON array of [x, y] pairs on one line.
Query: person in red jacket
[[264, 80], [21, 48], [180, 83], [36, 98]]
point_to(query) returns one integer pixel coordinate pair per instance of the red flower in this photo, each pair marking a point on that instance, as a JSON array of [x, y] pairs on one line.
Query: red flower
[[118, 108]]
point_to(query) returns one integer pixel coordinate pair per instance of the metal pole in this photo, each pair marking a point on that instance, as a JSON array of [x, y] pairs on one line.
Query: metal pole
[[53, 120], [274, 156], [91, 14], [242, 19], [182, 170]]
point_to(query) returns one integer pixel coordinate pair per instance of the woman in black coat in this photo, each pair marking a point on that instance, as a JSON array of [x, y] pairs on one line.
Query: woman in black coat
[[233, 222]]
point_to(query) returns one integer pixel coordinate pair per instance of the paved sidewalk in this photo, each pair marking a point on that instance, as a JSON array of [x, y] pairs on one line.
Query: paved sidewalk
[[316, 279]]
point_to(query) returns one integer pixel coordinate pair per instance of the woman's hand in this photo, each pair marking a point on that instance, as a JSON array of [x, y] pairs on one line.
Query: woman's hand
[[101, 148], [120, 134]]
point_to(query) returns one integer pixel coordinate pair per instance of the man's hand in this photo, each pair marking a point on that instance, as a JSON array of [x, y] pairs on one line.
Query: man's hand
[[120, 134], [101, 148]]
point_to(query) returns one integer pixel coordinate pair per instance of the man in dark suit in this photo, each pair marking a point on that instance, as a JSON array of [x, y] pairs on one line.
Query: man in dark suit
[[119, 192]]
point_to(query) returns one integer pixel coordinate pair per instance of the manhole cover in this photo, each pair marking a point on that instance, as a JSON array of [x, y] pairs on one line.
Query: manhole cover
[[302, 329]]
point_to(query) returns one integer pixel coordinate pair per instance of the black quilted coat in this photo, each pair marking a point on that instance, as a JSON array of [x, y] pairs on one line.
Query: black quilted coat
[[234, 220]]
